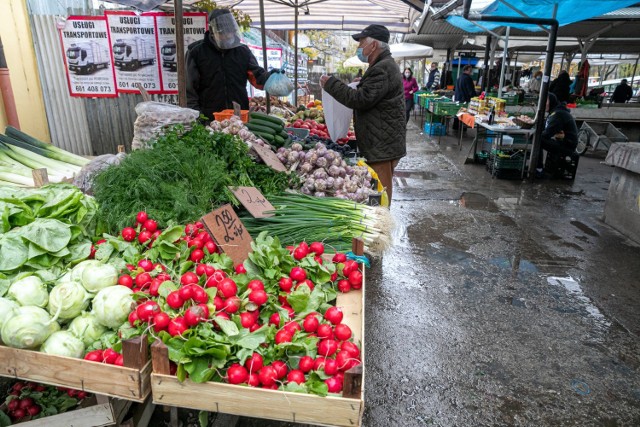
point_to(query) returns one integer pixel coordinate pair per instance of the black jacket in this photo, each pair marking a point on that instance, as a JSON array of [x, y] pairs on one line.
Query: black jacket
[[379, 107], [623, 93], [561, 87], [216, 78], [465, 89], [561, 119]]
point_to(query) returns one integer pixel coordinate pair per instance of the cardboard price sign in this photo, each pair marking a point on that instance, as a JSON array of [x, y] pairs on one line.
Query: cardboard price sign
[[229, 233], [269, 158], [252, 199]]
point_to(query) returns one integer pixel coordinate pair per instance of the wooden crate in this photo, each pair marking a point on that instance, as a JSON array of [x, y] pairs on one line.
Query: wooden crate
[[272, 404], [130, 382]]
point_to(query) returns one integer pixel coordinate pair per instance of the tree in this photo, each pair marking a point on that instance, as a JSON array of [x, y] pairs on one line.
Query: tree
[[243, 20]]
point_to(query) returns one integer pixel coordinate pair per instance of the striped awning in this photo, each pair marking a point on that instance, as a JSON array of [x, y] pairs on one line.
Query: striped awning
[[346, 15]]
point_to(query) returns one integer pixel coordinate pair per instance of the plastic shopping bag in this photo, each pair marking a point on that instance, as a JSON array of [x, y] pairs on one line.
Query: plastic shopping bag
[[154, 117], [278, 84], [337, 117]]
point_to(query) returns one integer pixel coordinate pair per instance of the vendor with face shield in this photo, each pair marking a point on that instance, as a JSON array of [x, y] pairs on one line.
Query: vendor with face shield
[[219, 66]]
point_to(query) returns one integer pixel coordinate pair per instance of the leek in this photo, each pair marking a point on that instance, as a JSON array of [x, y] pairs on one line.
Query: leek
[[36, 161], [47, 150]]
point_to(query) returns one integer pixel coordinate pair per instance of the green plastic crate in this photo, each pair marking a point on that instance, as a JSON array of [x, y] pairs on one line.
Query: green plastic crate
[[446, 108]]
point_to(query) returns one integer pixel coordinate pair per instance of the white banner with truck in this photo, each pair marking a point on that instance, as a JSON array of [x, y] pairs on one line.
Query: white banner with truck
[[87, 57]]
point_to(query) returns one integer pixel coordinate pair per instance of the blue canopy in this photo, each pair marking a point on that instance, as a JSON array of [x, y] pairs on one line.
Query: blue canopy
[[569, 11]]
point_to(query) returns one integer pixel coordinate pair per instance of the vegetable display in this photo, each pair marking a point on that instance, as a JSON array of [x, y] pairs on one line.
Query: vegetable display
[[183, 177], [235, 126], [268, 128]]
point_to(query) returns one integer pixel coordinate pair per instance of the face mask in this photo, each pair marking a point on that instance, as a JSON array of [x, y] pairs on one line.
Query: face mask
[[407, 75], [360, 54], [538, 78]]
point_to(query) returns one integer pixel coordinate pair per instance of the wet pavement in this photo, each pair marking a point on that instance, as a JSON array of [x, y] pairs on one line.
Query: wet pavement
[[502, 302]]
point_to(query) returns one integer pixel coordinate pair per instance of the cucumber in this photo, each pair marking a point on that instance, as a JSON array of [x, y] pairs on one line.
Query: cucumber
[[266, 136], [279, 141], [262, 116], [257, 128], [275, 127], [284, 134]]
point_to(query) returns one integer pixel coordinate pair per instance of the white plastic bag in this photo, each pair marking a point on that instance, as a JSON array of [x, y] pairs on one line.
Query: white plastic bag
[[154, 117], [278, 84], [337, 117]]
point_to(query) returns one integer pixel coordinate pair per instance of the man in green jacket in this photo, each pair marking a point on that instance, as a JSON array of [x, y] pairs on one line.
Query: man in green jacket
[[378, 104]]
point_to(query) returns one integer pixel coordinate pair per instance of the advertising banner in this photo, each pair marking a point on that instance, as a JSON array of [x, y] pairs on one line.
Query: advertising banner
[[274, 60], [87, 57], [195, 26], [135, 52]]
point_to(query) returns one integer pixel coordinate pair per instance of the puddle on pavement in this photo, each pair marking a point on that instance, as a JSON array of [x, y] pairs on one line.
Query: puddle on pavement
[[585, 228], [477, 201], [575, 290], [415, 175]]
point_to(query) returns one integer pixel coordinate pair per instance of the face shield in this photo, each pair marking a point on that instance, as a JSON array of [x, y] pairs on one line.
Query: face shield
[[225, 31]]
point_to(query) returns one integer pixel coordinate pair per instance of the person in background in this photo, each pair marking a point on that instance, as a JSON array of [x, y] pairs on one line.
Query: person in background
[[410, 87], [623, 93], [433, 79], [560, 87], [377, 104], [535, 82], [560, 134], [464, 91], [219, 66]]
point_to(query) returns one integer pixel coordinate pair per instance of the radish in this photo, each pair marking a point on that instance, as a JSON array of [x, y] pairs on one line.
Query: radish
[[239, 268], [286, 284], [145, 264], [292, 327], [255, 327], [19, 413], [350, 347], [345, 360], [327, 347], [349, 266], [186, 292], [189, 278], [334, 276], [109, 356], [275, 319], [200, 269], [317, 248], [174, 300], [199, 244], [308, 283], [232, 304], [94, 356], [355, 279], [298, 274], [227, 288], [255, 285], [196, 314], [254, 363], [133, 318], [177, 326], [304, 246], [306, 364], [128, 234], [296, 376], [254, 380], [318, 259], [209, 270], [218, 303], [200, 296], [324, 331], [237, 374], [161, 322], [162, 277], [280, 367], [126, 280], [222, 315], [141, 217], [342, 332], [247, 320], [144, 237], [190, 229], [310, 323], [258, 297], [333, 384], [143, 279], [339, 257], [299, 253], [33, 410], [154, 287], [344, 286], [267, 375], [334, 315], [283, 336], [212, 248], [147, 310], [150, 225], [13, 404], [330, 367], [318, 363], [290, 311], [197, 255]]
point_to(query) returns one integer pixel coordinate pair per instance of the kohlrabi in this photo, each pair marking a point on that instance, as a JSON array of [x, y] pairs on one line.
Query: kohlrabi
[[67, 300], [63, 343], [87, 328], [112, 306], [29, 291], [28, 327]]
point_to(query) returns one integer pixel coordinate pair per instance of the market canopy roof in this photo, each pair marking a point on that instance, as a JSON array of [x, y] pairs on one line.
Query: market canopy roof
[[398, 51], [347, 15]]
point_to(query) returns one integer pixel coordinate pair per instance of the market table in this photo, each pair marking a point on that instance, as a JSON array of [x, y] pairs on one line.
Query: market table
[[500, 132]]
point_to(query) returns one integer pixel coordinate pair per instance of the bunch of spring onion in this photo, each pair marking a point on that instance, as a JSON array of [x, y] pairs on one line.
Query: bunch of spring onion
[[333, 221], [20, 154]]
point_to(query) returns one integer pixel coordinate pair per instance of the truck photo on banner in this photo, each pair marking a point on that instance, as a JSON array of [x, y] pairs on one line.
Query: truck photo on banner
[[135, 54], [87, 57], [195, 25]]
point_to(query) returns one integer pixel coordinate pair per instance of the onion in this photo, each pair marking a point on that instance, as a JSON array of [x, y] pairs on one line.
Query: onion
[[321, 162], [320, 174], [331, 156], [334, 171], [320, 185], [306, 168]]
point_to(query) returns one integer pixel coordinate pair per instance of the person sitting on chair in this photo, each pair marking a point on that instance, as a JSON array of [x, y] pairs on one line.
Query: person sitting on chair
[[560, 134]]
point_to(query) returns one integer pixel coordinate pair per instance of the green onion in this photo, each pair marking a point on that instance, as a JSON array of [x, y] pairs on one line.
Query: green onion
[[53, 151], [334, 221], [36, 161]]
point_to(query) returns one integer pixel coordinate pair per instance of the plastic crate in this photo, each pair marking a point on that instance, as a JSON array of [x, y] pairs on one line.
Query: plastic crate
[[416, 96], [510, 99], [513, 161], [429, 101], [446, 108], [435, 129], [299, 132], [227, 114]]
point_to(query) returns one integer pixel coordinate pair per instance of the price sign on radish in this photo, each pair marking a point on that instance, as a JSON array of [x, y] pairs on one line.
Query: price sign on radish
[[252, 199], [229, 233]]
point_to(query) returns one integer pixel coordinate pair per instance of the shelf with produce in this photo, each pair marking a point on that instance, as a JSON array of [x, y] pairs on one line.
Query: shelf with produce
[[130, 382], [334, 409]]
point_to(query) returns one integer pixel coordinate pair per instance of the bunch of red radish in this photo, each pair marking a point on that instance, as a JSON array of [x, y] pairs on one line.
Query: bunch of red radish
[[108, 356], [25, 407]]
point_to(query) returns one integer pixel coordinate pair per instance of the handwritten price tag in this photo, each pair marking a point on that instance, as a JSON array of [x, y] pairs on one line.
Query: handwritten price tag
[[269, 158], [252, 199], [229, 233]]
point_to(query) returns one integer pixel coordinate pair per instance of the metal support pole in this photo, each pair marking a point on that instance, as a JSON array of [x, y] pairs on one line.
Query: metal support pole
[[485, 74], [504, 61], [264, 52], [182, 80], [295, 72], [6, 91]]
